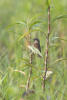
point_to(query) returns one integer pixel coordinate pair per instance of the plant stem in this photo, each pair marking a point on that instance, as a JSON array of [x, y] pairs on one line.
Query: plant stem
[[30, 73], [47, 49]]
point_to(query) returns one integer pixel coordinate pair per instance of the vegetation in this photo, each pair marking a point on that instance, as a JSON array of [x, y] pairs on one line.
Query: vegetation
[[21, 75]]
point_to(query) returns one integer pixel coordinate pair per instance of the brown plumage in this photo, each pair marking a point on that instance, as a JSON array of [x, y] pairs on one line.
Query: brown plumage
[[37, 44]]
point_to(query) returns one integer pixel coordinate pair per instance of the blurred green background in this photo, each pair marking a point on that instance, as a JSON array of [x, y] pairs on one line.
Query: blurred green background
[[16, 18]]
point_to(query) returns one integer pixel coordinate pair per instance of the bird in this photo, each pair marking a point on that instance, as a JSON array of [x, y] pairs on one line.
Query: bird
[[36, 44], [35, 47]]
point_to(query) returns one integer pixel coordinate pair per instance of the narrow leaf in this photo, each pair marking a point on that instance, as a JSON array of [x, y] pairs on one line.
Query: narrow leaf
[[19, 71], [34, 23], [20, 22], [60, 17], [24, 35]]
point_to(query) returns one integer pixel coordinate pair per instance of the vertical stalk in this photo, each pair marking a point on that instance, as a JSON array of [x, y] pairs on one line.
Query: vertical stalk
[[31, 58], [30, 73], [47, 50]]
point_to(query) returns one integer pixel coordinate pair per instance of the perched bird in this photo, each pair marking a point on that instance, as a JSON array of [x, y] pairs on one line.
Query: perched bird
[[35, 47], [37, 44]]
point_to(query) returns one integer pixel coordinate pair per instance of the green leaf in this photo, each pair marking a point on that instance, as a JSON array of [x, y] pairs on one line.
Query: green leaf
[[24, 35], [60, 17], [37, 29], [20, 22], [36, 17], [34, 23], [59, 38], [23, 73], [58, 60], [3, 79]]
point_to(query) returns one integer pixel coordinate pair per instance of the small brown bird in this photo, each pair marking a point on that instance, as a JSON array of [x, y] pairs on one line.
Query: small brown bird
[[37, 44]]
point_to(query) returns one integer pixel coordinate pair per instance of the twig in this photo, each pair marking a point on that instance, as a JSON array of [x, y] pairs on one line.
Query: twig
[[47, 49]]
